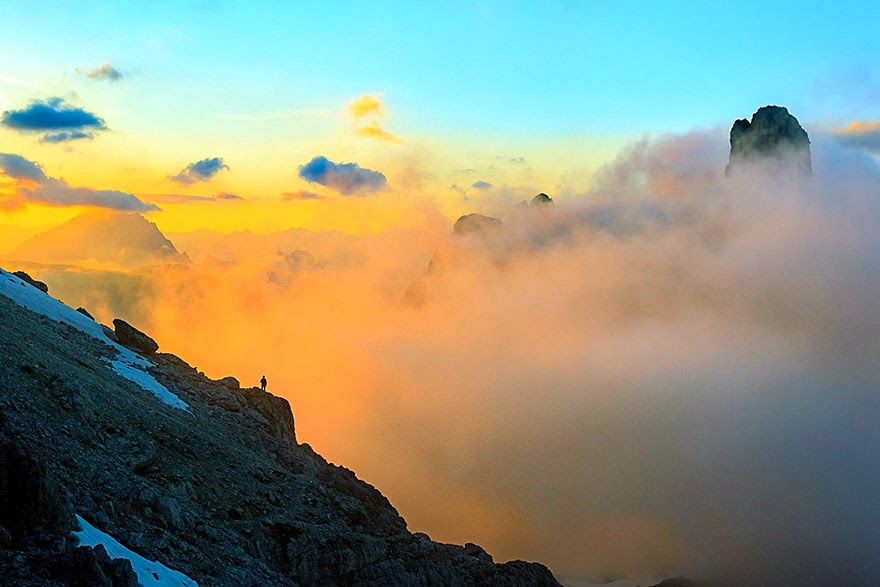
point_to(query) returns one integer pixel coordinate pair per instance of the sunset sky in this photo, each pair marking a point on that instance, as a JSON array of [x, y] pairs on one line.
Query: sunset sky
[[449, 101], [655, 374]]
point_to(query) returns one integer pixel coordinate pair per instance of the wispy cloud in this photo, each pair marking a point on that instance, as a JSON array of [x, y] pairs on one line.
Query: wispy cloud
[[481, 185], [188, 198], [346, 178], [365, 112], [861, 134], [103, 72], [18, 82], [59, 121], [270, 115], [300, 195], [200, 171], [32, 184]]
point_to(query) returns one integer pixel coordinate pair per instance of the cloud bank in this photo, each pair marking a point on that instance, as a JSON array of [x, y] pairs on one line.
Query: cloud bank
[[675, 373], [346, 178], [59, 122], [33, 185], [200, 171]]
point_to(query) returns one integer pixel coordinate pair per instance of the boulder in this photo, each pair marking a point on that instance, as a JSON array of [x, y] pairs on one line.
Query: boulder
[[230, 383], [772, 134], [85, 313], [28, 279], [133, 338]]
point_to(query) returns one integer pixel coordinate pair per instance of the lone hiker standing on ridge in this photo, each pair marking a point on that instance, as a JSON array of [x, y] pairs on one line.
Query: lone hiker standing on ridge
[[263, 383]]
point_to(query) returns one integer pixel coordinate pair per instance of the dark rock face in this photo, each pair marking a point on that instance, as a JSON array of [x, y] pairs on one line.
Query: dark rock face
[[772, 134], [28, 279], [475, 224], [30, 497], [133, 338], [275, 409]]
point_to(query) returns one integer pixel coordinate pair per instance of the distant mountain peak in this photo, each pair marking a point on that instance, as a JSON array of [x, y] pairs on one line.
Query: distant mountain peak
[[772, 134], [123, 238]]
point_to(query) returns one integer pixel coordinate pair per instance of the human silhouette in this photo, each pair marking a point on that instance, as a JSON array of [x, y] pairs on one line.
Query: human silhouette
[[263, 383]]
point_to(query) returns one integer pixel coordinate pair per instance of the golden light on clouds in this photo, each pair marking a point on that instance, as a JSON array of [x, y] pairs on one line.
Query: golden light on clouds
[[365, 112], [858, 127]]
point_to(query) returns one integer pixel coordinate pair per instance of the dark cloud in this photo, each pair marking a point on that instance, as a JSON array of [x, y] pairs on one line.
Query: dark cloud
[[104, 72], [60, 137], [300, 195], [345, 178], [67, 122], [188, 198], [17, 167], [203, 170], [56, 192], [481, 185]]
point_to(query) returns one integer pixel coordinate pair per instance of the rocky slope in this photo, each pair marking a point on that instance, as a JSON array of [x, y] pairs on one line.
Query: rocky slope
[[208, 481]]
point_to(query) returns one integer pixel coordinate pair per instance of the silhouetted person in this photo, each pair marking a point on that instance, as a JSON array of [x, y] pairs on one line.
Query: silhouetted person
[[263, 383]]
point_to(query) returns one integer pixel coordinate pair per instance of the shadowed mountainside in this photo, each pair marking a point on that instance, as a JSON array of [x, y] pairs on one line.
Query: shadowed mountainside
[[220, 490]]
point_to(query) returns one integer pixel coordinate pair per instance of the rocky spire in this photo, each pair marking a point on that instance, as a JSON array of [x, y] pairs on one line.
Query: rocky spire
[[772, 134]]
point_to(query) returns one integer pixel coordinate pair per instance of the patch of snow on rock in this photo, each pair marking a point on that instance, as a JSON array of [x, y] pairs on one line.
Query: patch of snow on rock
[[150, 573]]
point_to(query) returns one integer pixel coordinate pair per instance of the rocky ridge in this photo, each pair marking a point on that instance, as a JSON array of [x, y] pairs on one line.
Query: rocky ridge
[[221, 491]]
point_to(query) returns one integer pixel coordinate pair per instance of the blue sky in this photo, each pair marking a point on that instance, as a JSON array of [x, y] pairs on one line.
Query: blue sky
[[562, 85]]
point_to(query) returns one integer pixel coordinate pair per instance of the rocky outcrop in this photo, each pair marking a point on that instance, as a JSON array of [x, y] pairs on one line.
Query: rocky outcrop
[[541, 199], [773, 134], [85, 313], [275, 409], [133, 338], [475, 224], [28, 279]]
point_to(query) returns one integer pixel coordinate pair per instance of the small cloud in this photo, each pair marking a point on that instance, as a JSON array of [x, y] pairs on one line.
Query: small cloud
[[861, 134], [200, 171], [52, 116], [56, 192], [481, 185], [300, 195], [373, 130], [189, 198], [364, 105], [104, 72], [365, 112], [345, 178]]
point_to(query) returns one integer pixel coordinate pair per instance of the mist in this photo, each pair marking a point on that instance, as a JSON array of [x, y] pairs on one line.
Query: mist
[[675, 373]]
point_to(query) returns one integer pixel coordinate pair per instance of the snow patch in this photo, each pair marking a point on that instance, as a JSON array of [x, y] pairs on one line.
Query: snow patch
[[149, 573], [148, 382], [128, 364]]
